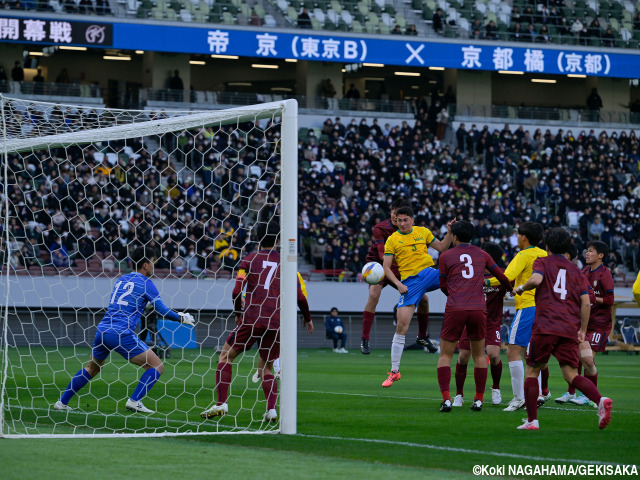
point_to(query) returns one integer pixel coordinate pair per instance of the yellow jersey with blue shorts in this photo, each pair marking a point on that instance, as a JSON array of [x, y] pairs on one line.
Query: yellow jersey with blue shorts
[[414, 263], [520, 270]]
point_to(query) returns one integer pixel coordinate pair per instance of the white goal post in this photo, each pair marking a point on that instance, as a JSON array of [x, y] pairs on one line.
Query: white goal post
[[52, 297]]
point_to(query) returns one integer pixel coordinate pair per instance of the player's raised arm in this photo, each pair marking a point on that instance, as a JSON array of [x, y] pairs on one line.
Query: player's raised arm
[[164, 311], [515, 268], [536, 278], [236, 295], [498, 273], [445, 243], [303, 305]]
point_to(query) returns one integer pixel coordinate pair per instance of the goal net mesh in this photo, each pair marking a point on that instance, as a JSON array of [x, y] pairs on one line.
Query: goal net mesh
[[81, 187]]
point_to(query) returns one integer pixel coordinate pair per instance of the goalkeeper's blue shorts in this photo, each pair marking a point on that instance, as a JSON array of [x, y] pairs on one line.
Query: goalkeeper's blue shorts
[[126, 344], [425, 281]]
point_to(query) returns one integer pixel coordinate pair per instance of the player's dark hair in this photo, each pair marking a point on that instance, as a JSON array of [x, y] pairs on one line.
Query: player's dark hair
[[406, 210], [399, 203], [573, 251], [268, 234], [494, 250], [558, 240], [142, 255], [599, 247], [533, 231], [464, 230]]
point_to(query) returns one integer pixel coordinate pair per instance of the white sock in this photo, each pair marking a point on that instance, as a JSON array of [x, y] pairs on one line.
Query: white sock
[[540, 384], [396, 351], [276, 365], [517, 379]]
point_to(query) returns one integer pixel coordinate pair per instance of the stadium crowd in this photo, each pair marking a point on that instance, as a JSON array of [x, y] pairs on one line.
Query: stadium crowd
[[79, 209]]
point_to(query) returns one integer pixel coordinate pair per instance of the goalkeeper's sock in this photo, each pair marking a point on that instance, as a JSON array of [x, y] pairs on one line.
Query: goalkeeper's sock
[[367, 322], [270, 389], [423, 324], [396, 352], [223, 380], [78, 381], [461, 376], [147, 380]]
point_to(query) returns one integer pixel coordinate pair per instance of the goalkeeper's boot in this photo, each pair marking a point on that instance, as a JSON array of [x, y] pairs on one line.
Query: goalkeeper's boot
[[61, 406], [394, 376], [566, 397], [426, 343], [364, 347], [137, 406], [580, 400], [256, 377], [215, 411], [271, 415]]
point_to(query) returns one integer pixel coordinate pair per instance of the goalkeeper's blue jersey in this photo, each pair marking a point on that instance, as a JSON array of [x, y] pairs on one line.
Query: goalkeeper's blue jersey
[[128, 300]]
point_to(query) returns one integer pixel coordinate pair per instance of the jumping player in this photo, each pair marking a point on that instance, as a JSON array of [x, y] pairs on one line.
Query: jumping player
[[601, 280], [408, 247], [381, 232], [260, 322], [562, 300], [495, 300], [131, 294], [461, 279]]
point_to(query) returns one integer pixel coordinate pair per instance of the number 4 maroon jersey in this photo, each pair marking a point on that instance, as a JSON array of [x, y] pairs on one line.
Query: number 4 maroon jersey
[[558, 297], [462, 277], [260, 272]]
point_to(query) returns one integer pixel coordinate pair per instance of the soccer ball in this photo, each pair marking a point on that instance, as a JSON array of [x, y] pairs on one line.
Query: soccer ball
[[338, 329], [372, 273]]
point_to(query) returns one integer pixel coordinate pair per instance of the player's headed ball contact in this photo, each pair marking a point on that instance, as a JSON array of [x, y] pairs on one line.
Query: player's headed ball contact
[[372, 273]]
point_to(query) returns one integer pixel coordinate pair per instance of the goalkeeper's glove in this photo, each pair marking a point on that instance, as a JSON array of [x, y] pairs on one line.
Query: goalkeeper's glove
[[187, 319]]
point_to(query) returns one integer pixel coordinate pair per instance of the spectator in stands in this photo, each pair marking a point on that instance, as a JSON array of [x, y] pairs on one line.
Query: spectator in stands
[[516, 34], [608, 40], [543, 35], [491, 31], [411, 30], [531, 34], [576, 27], [594, 29], [328, 91], [17, 74], [85, 7], [527, 16], [553, 17], [335, 330], [353, 95], [59, 253], [304, 20], [515, 14], [396, 30], [63, 76], [564, 27], [596, 229], [594, 104], [70, 6], [176, 87], [437, 21], [4, 81], [38, 80], [636, 22]]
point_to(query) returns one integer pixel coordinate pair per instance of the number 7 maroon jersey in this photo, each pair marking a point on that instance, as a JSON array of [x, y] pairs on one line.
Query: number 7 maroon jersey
[[462, 276], [261, 273]]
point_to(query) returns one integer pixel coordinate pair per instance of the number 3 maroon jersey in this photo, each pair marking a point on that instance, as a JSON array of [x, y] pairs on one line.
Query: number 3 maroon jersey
[[558, 297], [262, 303], [462, 275]]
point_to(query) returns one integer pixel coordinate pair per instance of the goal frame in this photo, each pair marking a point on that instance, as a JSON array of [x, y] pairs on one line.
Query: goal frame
[[288, 111]]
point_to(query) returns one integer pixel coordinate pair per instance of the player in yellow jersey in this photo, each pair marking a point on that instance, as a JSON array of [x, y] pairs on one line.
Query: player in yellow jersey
[[276, 363], [636, 289], [408, 246], [519, 271]]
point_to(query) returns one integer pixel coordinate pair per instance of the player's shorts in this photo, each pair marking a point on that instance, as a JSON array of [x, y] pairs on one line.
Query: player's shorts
[[598, 339], [456, 321], [427, 280], [244, 336], [566, 350], [126, 344], [522, 326], [491, 338]]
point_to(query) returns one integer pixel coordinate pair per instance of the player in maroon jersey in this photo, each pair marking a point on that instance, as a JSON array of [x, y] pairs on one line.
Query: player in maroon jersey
[[462, 281], [259, 272], [381, 232], [495, 300], [601, 280], [562, 309]]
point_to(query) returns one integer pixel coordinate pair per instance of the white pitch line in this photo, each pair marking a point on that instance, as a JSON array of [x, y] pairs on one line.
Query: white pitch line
[[546, 407], [462, 450]]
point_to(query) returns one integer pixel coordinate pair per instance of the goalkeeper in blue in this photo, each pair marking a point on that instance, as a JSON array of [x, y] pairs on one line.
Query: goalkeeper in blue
[[131, 294]]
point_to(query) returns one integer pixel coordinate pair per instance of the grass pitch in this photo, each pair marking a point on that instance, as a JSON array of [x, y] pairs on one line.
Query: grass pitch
[[348, 424]]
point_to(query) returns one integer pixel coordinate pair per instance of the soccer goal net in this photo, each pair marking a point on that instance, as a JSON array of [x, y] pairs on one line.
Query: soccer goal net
[[81, 188]]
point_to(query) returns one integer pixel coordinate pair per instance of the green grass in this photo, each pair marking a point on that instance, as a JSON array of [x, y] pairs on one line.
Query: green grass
[[348, 424]]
